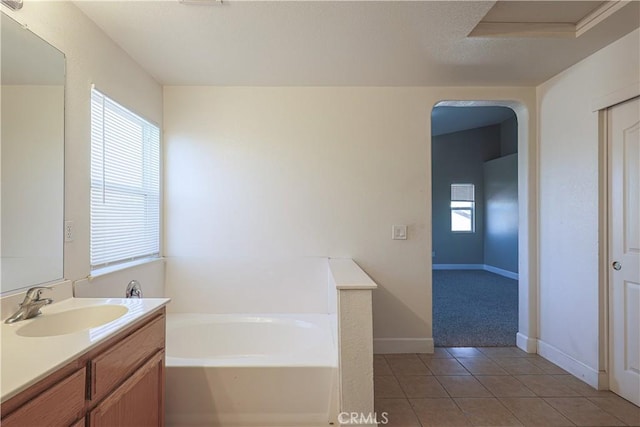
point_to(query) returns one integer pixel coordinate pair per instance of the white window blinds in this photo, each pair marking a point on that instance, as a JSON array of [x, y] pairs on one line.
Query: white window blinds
[[125, 184], [462, 192]]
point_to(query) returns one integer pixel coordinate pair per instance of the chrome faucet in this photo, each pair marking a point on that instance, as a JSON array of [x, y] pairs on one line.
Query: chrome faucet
[[134, 290], [31, 305]]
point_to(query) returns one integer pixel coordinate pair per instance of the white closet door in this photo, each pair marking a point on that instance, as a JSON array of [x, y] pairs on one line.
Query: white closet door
[[624, 231]]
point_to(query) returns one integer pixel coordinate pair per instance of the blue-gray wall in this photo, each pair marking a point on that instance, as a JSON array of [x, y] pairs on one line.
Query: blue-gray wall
[[509, 136], [458, 158], [486, 157], [501, 213]]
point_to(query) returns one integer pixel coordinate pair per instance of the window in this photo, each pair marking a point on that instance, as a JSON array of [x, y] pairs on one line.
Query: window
[[125, 184], [463, 208]]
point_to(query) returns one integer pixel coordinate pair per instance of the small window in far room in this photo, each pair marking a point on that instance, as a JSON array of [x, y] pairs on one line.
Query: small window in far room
[[125, 184], [463, 208]]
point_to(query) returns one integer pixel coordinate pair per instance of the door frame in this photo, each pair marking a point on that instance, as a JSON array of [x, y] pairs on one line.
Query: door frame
[[527, 336]]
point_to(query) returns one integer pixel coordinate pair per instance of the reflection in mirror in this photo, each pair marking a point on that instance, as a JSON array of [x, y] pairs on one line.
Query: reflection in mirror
[[31, 159], [13, 4]]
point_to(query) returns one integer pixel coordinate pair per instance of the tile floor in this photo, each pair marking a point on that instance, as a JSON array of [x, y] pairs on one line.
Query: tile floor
[[497, 386]]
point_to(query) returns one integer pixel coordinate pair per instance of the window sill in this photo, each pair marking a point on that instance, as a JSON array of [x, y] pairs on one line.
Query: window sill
[[99, 272]]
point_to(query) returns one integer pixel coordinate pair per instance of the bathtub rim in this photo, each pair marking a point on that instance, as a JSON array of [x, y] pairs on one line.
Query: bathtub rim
[[323, 320]]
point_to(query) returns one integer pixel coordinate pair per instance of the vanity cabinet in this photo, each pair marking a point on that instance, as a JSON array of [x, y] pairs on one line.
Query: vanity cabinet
[[118, 383]]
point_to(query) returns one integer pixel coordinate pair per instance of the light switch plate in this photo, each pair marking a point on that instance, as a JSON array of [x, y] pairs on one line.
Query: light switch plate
[[399, 232]]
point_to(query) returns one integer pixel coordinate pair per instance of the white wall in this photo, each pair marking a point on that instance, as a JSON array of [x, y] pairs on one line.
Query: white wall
[[570, 318], [91, 57], [261, 182]]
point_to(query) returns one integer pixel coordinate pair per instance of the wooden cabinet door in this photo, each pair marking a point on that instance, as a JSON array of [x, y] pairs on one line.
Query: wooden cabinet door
[[118, 362], [79, 423], [138, 402]]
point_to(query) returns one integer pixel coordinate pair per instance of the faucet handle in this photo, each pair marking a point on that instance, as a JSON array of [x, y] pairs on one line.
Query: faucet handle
[[33, 294]]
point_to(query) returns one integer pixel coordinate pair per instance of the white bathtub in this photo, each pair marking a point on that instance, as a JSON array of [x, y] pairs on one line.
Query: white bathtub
[[251, 370]]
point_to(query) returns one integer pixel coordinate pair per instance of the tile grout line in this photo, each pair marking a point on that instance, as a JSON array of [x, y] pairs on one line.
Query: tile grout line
[[499, 399], [607, 411], [491, 392]]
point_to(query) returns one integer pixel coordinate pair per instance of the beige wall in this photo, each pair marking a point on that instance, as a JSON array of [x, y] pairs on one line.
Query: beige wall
[[32, 190], [259, 180], [571, 308], [91, 58], [303, 173]]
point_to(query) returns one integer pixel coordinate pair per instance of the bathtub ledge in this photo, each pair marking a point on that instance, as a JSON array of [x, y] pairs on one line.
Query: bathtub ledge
[[348, 275]]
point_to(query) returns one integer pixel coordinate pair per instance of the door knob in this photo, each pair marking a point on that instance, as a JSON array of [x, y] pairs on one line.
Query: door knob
[[616, 265]]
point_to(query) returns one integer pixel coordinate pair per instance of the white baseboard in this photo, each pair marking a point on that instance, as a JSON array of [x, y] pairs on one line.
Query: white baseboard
[[524, 343], [458, 266], [569, 364], [501, 272], [402, 345], [485, 267]]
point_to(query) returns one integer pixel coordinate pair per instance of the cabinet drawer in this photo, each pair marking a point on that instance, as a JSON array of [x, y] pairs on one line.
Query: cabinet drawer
[[58, 406], [113, 366]]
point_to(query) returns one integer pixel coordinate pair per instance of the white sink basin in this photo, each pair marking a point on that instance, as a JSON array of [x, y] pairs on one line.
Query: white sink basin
[[70, 321]]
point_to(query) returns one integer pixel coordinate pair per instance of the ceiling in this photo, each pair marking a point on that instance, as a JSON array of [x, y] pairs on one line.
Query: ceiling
[[568, 19], [348, 43], [541, 11], [455, 119]]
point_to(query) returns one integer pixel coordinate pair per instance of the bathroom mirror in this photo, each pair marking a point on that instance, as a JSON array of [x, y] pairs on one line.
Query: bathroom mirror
[[31, 158]]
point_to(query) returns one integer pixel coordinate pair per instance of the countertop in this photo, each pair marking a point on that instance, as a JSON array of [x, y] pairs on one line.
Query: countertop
[[26, 360]]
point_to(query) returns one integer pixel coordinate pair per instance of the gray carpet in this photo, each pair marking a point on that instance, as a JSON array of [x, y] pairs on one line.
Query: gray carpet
[[474, 308]]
